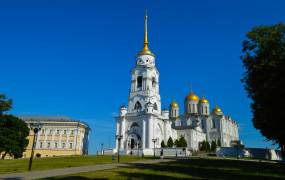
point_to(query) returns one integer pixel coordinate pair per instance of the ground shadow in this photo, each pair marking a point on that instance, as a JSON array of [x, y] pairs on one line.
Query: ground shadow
[[196, 168]]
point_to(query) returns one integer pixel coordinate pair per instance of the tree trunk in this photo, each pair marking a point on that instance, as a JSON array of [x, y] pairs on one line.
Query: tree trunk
[[3, 156]]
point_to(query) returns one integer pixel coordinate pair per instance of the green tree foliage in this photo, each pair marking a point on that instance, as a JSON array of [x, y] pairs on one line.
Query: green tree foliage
[[182, 142], [176, 143], [219, 143], [202, 146], [5, 104], [264, 79], [213, 146], [205, 146], [13, 132], [208, 146], [170, 142], [162, 144]]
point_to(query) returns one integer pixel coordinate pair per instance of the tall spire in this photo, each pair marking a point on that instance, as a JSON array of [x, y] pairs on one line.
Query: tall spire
[[145, 29], [145, 50]]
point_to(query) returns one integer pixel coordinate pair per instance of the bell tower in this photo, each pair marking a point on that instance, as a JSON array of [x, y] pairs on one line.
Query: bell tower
[[145, 80]]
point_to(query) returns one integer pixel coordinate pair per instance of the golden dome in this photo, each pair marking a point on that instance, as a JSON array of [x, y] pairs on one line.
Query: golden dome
[[204, 100], [174, 104], [217, 109], [192, 97], [145, 50]]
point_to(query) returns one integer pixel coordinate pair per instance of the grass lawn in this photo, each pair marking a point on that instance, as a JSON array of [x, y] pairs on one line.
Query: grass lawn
[[194, 168], [21, 165]]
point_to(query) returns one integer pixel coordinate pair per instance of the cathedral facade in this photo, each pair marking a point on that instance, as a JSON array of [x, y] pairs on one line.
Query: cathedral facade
[[144, 125]]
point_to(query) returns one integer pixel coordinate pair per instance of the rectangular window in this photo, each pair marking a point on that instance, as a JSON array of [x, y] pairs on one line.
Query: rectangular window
[[55, 145], [213, 124], [70, 145], [72, 132], [41, 144], [57, 132], [64, 132], [50, 131], [139, 82], [48, 145], [63, 145]]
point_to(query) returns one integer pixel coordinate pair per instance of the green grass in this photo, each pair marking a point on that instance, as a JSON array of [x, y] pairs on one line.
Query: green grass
[[21, 165], [194, 168]]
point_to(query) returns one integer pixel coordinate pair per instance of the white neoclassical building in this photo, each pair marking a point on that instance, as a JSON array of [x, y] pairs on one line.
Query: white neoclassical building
[[143, 120]]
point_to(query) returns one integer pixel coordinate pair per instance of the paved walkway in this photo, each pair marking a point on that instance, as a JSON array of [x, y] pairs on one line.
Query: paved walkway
[[74, 170]]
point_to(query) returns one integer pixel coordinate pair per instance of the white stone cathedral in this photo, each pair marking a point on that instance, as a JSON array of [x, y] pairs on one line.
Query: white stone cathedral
[[143, 124]]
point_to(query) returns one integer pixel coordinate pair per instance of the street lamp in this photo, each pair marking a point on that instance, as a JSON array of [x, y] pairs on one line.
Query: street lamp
[[138, 148], [102, 145], [154, 141], [36, 127], [119, 137]]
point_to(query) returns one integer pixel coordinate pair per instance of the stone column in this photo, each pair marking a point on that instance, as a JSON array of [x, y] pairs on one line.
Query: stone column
[[143, 135], [117, 132], [123, 124], [150, 133]]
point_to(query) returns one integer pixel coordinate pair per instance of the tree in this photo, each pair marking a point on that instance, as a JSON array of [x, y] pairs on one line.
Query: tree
[[176, 143], [219, 143], [208, 147], [182, 142], [162, 144], [202, 146], [213, 146], [13, 131], [170, 142], [264, 78], [5, 104]]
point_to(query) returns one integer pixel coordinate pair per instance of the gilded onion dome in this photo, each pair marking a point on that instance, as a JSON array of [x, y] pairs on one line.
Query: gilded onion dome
[[192, 97], [217, 110], [204, 100], [174, 104], [145, 50]]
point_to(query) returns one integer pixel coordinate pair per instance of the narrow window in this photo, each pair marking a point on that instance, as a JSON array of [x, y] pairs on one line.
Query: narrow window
[[138, 106], [63, 145], [55, 145], [155, 106], [213, 124], [70, 145], [139, 82], [153, 82]]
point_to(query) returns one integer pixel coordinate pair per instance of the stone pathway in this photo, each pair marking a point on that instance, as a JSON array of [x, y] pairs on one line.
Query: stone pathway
[[74, 170]]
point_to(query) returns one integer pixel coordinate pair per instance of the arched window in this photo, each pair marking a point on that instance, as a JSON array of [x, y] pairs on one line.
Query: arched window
[[153, 82], [155, 106], [138, 106]]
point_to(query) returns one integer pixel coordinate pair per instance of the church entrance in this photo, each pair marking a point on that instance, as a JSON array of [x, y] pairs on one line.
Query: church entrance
[[132, 143]]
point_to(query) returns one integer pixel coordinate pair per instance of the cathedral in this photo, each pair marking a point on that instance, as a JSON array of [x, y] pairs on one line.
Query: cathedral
[[144, 125]]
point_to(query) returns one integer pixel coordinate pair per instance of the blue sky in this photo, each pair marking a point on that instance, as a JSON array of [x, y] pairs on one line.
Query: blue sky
[[73, 58]]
